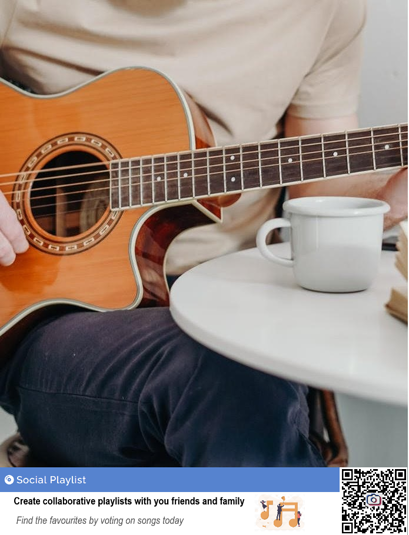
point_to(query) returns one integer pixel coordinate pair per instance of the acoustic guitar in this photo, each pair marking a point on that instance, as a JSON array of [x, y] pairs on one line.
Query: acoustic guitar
[[103, 177]]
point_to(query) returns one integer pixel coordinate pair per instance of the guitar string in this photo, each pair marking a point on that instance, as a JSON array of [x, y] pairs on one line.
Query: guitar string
[[152, 183], [207, 167], [274, 146], [106, 169]]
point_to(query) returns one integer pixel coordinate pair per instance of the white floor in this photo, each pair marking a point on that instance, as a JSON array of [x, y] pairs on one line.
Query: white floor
[[376, 433]]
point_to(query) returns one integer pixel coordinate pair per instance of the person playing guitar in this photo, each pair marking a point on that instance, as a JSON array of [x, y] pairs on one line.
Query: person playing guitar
[[127, 387]]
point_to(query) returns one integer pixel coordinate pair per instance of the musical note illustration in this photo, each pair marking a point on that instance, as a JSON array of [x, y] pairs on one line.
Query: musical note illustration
[[282, 509], [264, 515]]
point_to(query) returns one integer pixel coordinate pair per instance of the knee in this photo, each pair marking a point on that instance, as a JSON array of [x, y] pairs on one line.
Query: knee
[[240, 417], [251, 393]]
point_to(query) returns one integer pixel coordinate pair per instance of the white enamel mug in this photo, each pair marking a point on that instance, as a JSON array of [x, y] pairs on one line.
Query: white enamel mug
[[336, 242]]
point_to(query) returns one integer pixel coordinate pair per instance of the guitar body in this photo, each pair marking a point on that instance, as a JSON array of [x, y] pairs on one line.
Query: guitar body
[[82, 253], [100, 203]]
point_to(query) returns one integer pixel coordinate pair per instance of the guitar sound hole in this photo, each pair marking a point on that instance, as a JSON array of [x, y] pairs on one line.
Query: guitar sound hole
[[68, 202]]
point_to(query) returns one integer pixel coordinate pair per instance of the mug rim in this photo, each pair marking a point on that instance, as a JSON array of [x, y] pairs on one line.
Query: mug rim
[[320, 206]]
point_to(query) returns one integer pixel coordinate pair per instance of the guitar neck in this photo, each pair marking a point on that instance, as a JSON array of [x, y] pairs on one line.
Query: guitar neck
[[189, 175]]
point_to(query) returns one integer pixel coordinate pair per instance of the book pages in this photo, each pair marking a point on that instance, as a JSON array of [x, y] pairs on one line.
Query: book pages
[[398, 302]]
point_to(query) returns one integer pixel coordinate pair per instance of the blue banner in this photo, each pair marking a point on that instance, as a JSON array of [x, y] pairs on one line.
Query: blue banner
[[169, 479]]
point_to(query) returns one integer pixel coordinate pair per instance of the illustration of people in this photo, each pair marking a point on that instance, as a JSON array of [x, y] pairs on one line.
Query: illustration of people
[[263, 503], [279, 508], [299, 517]]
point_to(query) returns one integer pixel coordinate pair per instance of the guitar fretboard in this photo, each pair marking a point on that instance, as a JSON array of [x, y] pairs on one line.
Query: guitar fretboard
[[189, 175]]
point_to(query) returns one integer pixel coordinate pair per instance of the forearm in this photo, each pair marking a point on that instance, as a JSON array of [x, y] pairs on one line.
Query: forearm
[[367, 185]]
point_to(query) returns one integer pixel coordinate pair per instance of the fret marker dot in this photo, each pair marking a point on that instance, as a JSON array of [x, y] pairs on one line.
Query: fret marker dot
[[386, 147], [185, 175], [159, 178], [335, 153], [233, 179], [231, 157], [290, 160]]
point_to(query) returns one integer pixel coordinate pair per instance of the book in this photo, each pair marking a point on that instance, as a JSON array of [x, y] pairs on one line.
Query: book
[[398, 301]]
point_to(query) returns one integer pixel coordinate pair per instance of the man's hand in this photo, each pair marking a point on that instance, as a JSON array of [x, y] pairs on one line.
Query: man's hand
[[392, 189], [12, 238], [395, 193]]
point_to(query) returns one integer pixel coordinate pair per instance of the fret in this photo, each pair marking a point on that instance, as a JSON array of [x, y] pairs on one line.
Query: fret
[[200, 172], [404, 143], [360, 151], [347, 149], [193, 175], [140, 182], [172, 177], [120, 184], [146, 179], [233, 168], [251, 176], [135, 181], [269, 163], [400, 145], [158, 179], [185, 168], [260, 172], [290, 160], [335, 154], [241, 168], [279, 162], [373, 150], [312, 156], [323, 157], [114, 185], [124, 201], [387, 147], [300, 151], [216, 174]]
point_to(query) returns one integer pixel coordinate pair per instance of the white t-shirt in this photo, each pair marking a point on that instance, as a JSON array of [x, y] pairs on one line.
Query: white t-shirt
[[244, 62]]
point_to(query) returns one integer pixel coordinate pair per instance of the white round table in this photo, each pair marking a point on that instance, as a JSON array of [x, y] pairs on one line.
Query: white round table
[[252, 311]]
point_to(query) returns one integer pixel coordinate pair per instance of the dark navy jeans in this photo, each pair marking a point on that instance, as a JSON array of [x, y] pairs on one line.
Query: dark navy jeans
[[129, 388]]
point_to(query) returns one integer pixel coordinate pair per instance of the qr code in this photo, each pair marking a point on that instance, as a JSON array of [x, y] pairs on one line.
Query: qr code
[[373, 500]]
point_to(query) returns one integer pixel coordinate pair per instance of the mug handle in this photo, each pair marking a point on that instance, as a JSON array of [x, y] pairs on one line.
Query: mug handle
[[264, 230]]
